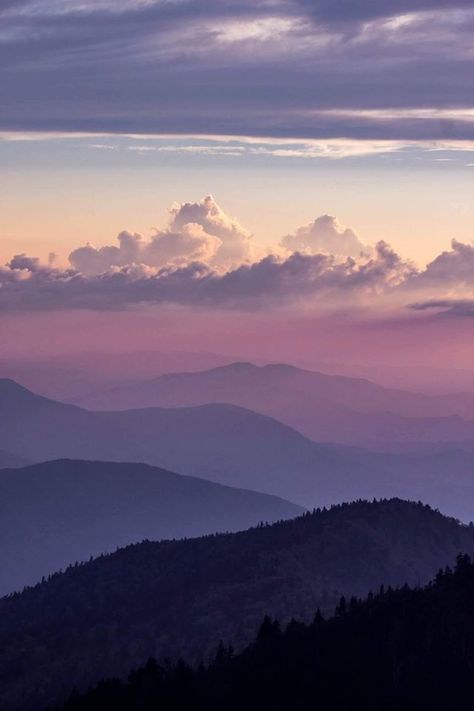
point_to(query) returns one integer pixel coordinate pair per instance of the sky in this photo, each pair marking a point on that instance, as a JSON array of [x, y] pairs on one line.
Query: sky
[[268, 161]]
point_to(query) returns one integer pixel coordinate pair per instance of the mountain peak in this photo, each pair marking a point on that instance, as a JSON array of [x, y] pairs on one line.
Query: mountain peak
[[282, 367], [236, 367], [13, 394], [8, 383], [10, 387], [248, 367]]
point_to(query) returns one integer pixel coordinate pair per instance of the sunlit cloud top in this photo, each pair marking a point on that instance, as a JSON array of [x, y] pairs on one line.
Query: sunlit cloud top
[[204, 257]]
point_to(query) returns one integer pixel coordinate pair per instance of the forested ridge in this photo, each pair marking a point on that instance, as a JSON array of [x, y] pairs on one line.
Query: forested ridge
[[55, 513], [402, 650], [179, 598]]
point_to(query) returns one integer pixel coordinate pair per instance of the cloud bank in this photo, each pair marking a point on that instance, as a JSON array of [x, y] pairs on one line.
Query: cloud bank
[[269, 282], [204, 259]]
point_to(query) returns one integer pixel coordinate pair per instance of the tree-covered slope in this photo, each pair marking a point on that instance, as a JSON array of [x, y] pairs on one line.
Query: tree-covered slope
[[181, 597], [399, 651]]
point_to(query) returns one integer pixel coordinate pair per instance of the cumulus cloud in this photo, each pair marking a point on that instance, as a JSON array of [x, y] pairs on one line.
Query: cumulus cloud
[[314, 279], [199, 231], [325, 235], [235, 244], [453, 266], [22, 262], [446, 283], [319, 278], [191, 243], [202, 258], [90, 260]]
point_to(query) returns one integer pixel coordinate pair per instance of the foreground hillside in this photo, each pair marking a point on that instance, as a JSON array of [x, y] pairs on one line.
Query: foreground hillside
[[181, 597], [236, 447], [56, 513], [405, 650]]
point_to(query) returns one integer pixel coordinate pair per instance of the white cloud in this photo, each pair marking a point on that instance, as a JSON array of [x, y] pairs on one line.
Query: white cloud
[[199, 231], [315, 281], [190, 244], [89, 260], [325, 235], [454, 266], [260, 30], [235, 246], [203, 258]]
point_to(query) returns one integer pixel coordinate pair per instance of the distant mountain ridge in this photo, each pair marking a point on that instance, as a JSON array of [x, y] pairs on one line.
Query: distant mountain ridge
[[63, 377], [8, 460], [182, 597], [236, 447], [330, 408], [56, 513]]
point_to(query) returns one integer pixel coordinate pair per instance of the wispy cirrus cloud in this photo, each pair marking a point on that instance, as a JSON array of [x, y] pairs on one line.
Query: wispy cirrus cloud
[[257, 148]]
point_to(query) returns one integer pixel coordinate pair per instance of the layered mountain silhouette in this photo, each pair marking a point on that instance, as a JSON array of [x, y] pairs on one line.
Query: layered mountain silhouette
[[402, 650], [236, 447], [322, 407], [56, 513], [8, 460], [181, 597], [64, 377]]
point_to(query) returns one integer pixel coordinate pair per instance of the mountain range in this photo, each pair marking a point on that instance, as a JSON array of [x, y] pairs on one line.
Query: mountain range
[[181, 597], [80, 374], [56, 513], [325, 408], [236, 447]]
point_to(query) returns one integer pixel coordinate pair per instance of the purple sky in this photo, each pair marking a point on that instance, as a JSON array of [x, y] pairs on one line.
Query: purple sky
[[294, 111]]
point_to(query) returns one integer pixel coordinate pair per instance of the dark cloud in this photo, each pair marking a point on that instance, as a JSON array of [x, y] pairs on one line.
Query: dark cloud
[[246, 68], [363, 10], [23, 262], [453, 266], [447, 307], [272, 281]]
